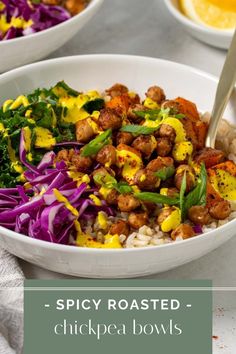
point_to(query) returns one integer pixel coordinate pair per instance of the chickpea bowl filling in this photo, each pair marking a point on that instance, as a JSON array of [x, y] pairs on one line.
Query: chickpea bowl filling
[[111, 169]]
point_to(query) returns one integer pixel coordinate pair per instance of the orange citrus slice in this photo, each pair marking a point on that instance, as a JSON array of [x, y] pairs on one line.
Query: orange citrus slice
[[220, 14]]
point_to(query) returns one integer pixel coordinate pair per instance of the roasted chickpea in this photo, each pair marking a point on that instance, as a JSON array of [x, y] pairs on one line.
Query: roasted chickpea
[[112, 197], [84, 131], [107, 156], [149, 207], [146, 144], [137, 220], [159, 163], [124, 138], [81, 163], [116, 90], [184, 230], [166, 131], [220, 210], [131, 112], [75, 6], [199, 215], [169, 218], [173, 105], [120, 227], [190, 177], [146, 180], [164, 147], [127, 202], [165, 212], [156, 93], [71, 153], [172, 192], [100, 171], [109, 119], [63, 155]]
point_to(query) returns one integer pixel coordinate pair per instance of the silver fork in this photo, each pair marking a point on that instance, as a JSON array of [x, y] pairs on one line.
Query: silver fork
[[223, 93]]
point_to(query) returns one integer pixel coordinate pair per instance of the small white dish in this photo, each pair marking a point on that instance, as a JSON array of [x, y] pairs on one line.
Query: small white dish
[[214, 37], [23, 50], [100, 72]]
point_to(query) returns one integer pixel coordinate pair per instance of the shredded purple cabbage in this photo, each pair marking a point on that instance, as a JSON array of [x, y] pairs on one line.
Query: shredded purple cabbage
[[42, 17], [198, 229], [37, 212]]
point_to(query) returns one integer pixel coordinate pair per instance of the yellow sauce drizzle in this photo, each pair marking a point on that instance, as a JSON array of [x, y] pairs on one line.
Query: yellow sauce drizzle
[[65, 201]]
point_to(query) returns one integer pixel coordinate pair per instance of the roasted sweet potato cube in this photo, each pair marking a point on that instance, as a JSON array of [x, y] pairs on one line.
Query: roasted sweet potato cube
[[210, 157]]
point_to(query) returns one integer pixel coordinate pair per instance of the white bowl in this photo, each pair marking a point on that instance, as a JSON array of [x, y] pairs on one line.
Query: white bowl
[[214, 37], [100, 72], [23, 50]]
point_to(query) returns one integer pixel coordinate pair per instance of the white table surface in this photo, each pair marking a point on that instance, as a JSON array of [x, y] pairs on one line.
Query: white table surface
[[144, 27], [224, 331]]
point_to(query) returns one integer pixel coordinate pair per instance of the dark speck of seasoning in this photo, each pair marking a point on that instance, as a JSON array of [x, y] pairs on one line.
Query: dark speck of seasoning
[[215, 337]]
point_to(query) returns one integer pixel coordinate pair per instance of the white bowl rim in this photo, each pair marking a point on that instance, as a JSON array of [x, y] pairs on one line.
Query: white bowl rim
[[73, 19], [75, 249], [188, 22]]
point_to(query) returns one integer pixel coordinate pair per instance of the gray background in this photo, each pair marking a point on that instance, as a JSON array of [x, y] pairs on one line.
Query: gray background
[[145, 27]]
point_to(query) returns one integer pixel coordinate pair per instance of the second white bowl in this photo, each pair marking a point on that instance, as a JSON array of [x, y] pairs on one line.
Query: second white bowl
[[214, 37], [23, 50]]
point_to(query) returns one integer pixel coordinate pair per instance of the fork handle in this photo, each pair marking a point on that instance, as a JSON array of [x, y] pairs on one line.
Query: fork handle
[[223, 93]]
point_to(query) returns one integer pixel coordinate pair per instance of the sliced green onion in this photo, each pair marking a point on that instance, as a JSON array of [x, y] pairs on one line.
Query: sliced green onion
[[109, 182], [148, 113], [123, 187], [182, 195], [138, 129], [198, 195], [179, 116], [95, 145], [156, 198], [165, 173]]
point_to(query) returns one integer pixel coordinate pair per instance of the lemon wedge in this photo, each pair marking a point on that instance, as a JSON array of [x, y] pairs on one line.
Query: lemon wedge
[[220, 14]]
